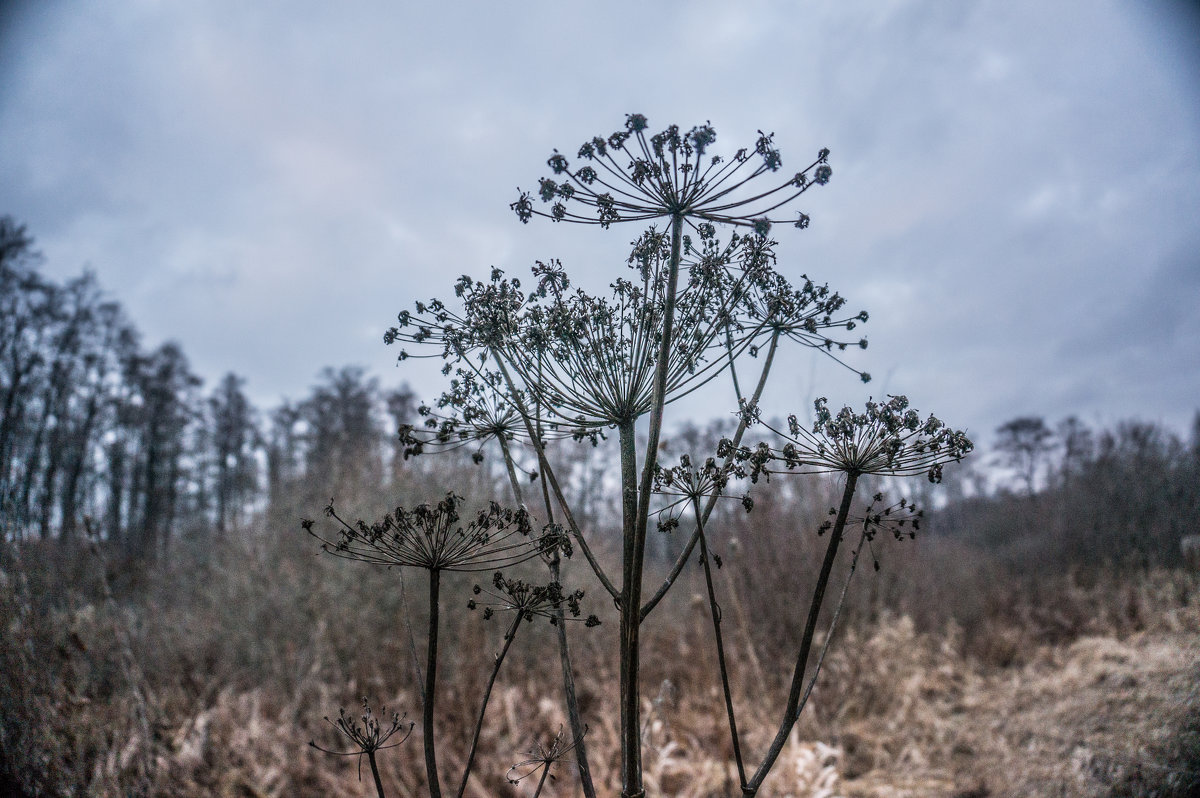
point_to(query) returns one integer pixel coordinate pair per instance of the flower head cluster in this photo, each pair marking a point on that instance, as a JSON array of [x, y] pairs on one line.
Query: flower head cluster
[[902, 518], [886, 438], [488, 321], [687, 482], [593, 359], [578, 362], [542, 757], [517, 595], [806, 314], [475, 410], [435, 537], [633, 175], [366, 732], [766, 305]]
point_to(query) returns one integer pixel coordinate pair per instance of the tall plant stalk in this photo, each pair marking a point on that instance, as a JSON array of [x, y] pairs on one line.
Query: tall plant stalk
[[570, 364], [636, 514], [509, 636], [631, 764], [553, 562], [790, 710], [578, 730], [428, 708], [715, 612]]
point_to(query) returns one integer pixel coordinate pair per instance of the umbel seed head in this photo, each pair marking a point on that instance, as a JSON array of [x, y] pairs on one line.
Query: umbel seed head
[[435, 537], [632, 175]]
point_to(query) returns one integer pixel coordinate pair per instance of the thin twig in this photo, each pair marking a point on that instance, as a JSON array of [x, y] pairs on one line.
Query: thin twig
[[810, 627], [487, 694], [715, 610], [686, 554]]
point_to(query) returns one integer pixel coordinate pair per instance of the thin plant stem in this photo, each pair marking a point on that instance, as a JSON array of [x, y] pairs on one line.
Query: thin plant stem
[[791, 710], [512, 471], [542, 781], [635, 533], [544, 466], [375, 773], [570, 696], [509, 636], [737, 388], [660, 392], [837, 613], [572, 700], [631, 761], [715, 610], [686, 554], [431, 772]]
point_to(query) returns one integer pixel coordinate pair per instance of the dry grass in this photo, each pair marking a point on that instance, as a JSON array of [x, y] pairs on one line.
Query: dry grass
[[209, 677]]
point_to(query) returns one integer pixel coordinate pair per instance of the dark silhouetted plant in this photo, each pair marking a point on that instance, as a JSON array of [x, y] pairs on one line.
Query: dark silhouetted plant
[[368, 737], [541, 760], [538, 365], [435, 539]]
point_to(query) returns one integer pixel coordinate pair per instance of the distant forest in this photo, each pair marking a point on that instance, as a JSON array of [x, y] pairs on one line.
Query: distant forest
[[100, 435], [96, 427]]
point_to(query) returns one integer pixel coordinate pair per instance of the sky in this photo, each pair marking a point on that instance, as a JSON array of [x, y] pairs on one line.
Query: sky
[[1015, 195]]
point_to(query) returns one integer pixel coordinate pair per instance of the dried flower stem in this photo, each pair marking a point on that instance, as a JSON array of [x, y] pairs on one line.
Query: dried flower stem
[[487, 694], [572, 700], [542, 782], [837, 614], [375, 774], [431, 772], [570, 697], [636, 497], [791, 709], [631, 771], [715, 610], [564, 652], [686, 554], [512, 471]]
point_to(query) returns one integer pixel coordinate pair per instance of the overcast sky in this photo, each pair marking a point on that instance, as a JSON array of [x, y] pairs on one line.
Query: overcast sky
[[1015, 194]]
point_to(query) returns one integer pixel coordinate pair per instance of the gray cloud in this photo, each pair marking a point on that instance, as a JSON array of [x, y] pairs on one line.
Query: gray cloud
[[1014, 197]]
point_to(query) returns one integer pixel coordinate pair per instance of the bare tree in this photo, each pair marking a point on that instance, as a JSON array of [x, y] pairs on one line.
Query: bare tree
[[235, 438], [1024, 445]]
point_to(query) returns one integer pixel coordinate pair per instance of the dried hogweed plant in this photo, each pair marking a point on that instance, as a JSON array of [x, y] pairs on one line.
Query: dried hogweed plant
[[368, 737], [544, 364], [437, 539], [541, 760]]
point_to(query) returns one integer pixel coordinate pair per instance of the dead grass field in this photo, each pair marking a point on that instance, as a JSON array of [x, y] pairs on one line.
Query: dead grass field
[[1098, 717], [214, 682]]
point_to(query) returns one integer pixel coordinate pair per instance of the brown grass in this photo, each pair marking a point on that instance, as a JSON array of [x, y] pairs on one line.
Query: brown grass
[[209, 676]]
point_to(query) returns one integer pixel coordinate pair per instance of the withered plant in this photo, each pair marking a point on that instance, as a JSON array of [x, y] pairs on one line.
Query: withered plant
[[435, 538], [544, 365]]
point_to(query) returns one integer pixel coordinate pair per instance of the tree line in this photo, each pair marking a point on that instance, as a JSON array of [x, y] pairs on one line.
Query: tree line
[[95, 426], [1080, 498], [98, 429]]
